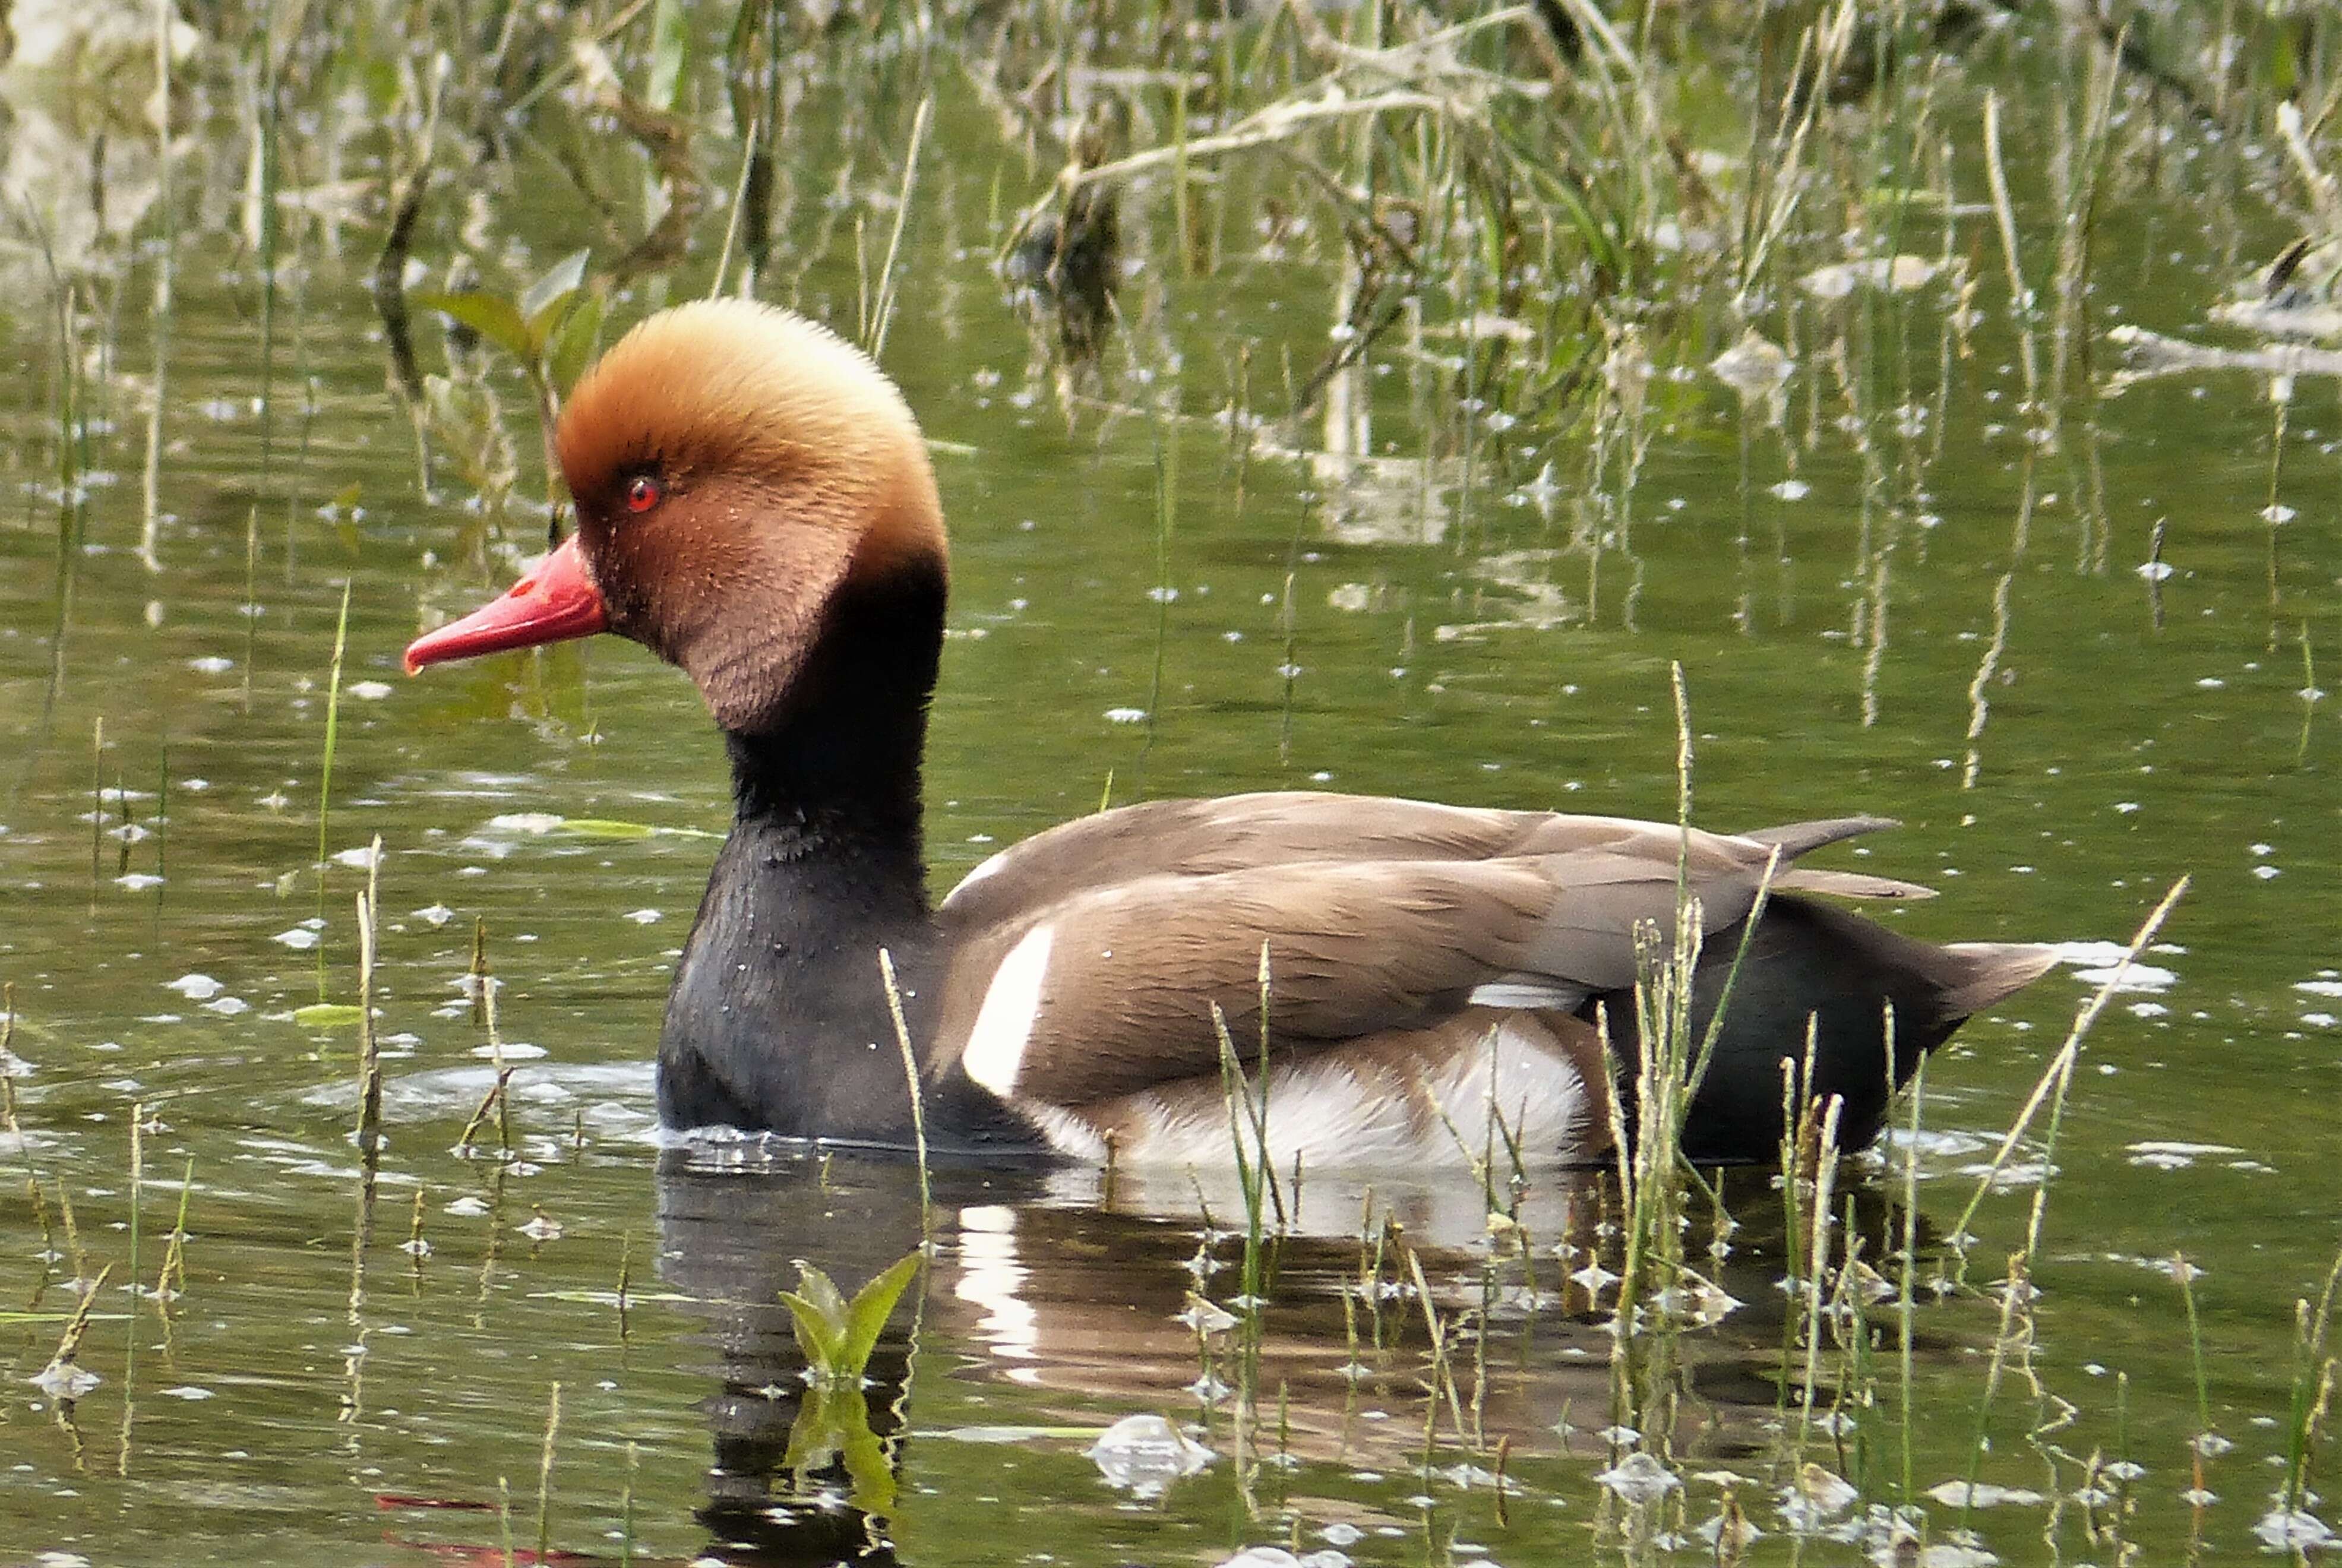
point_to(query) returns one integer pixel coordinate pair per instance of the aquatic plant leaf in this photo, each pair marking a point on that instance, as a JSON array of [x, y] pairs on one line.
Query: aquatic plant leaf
[[670, 45], [816, 1338], [465, 421], [836, 1422], [742, 33], [1600, 246], [817, 1287], [866, 1461], [1902, 196], [873, 1305], [818, 1311], [327, 1015], [543, 302], [571, 345], [497, 320], [813, 1435], [837, 1335]]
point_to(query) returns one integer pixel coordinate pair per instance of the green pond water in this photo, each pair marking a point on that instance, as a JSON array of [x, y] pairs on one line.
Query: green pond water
[[1902, 600]]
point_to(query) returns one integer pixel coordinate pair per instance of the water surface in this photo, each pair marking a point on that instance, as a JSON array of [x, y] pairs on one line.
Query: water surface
[[1913, 597]]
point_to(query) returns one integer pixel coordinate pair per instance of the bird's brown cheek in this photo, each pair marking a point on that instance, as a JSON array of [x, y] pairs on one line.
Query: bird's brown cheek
[[614, 562], [630, 617], [665, 575]]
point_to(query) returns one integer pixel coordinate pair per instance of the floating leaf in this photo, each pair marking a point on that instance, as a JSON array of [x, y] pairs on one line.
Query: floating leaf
[[1754, 365], [1144, 1454], [1017, 1434], [604, 827], [618, 828], [1893, 274], [327, 1015], [612, 1298], [1640, 1479], [1902, 196], [62, 1379]]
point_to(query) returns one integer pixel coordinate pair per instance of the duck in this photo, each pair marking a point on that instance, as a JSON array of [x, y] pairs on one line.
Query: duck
[[1407, 983]]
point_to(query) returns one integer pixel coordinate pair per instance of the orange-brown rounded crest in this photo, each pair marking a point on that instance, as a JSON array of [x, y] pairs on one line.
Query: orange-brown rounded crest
[[734, 465]]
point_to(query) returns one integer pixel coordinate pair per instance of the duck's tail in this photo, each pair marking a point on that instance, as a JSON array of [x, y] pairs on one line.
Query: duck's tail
[[1989, 971]]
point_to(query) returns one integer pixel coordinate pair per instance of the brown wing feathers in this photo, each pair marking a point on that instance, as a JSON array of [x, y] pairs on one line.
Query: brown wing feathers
[[1204, 837], [1134, 971], [1377, 915]]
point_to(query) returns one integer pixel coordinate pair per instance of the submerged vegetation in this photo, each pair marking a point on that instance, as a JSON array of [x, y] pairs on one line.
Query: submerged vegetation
[[1945, 385]]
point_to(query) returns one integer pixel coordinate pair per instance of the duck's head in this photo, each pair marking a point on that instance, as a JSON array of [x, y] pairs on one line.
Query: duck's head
[[738, 471]]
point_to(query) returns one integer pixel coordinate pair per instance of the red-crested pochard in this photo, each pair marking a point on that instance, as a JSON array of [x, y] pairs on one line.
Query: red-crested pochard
[[754, 505]]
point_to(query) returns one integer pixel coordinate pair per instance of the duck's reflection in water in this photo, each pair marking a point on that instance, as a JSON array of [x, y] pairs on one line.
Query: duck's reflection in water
[[1096, 1292]]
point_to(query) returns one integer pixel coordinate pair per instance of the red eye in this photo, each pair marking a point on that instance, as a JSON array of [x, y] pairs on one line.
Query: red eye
[[643, 492]]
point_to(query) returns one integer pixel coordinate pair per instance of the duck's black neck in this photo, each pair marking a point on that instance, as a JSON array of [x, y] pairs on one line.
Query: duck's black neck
[[834, 772], [845, 755], [778, 1018]]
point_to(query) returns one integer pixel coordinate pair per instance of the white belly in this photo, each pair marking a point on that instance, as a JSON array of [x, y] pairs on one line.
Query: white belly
[[1391, 1106]]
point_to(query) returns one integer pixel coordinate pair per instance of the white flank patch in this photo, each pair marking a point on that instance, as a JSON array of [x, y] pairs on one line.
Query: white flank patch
[[996, 1046], [1332, 1117], [1068, 1133], [1513, 1080], [1526, 990], [1319, 1110], [1325, 1114]]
